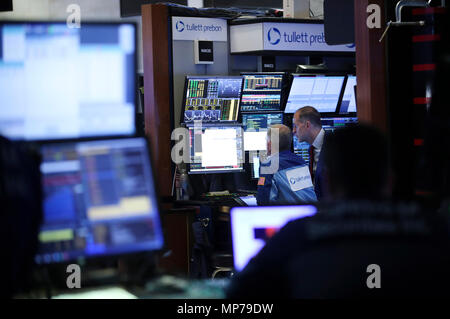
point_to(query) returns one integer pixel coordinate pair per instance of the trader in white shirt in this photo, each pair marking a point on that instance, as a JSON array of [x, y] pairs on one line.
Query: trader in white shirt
[[307, 126]]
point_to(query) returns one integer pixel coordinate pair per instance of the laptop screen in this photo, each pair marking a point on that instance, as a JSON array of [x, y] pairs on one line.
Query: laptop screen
[[252, 227]]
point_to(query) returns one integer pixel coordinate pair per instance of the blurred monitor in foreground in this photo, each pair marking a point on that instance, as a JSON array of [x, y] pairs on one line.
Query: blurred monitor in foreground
[[58, 83], [99, 200], [252, 227]]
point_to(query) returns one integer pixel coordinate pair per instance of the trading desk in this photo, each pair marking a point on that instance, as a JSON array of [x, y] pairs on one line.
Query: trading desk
[[163, 287]]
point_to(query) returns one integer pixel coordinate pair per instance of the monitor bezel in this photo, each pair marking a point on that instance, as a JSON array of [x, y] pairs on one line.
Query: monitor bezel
[[183, 106], [112, 256], [135, 78]]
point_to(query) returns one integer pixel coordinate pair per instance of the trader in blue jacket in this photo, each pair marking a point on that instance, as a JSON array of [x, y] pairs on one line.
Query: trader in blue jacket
[[284, 176]]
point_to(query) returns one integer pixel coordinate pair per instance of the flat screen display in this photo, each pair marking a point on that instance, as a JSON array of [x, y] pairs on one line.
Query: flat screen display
[[212, 99], [255, 129], [332, 123], [58, 82], [320, 92], [217, 149], [261, 92], [99, 199]]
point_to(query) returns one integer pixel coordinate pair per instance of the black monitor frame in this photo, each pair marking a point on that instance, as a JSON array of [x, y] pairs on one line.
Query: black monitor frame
[[341, 94], [111, 258], [349, 114], [283, 116], [285, 87], [183, 106], [135, 78]]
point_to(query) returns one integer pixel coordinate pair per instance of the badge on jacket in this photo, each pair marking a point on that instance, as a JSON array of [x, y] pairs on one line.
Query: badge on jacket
[[299, 178], [261, 181]]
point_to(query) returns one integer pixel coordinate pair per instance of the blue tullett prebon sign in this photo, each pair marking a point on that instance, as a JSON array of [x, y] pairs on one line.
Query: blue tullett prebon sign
[[299, 37], [210, 29]]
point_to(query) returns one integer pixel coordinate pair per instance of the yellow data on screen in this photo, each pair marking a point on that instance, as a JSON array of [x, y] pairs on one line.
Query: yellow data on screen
[[127, 207], [96, 151], [234, 106], [56, 235]]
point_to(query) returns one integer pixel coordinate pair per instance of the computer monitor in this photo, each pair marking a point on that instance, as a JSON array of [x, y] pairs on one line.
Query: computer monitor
[[321, 92], [255, 129], [252, 227], [256, 164], [262, 92], [211, 99], [301, 149], [58, 83], [99, 200], [216, 149], [348, 103], [330, 124]]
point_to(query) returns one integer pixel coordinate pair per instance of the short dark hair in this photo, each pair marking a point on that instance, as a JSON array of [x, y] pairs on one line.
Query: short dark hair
[[356, 162], [309, 113]]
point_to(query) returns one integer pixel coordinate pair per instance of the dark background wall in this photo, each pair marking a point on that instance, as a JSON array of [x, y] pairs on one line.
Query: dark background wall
[[6, 5]]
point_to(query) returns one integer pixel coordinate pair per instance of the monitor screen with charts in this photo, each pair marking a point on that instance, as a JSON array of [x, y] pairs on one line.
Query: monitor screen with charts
[[255, 129], [321, 92], [262, 92], [216, 149], [301, 149], [348, 103], [330, 124], [63, 83], [252, 227], [99, 200], [211, 99]]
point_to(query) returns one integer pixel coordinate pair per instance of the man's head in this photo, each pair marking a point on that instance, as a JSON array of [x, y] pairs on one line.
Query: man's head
[[356, 163], [279, 132], [306, 124]]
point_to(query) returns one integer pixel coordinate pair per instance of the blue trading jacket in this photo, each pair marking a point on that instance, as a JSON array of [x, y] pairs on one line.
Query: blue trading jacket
[[290, 184]]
